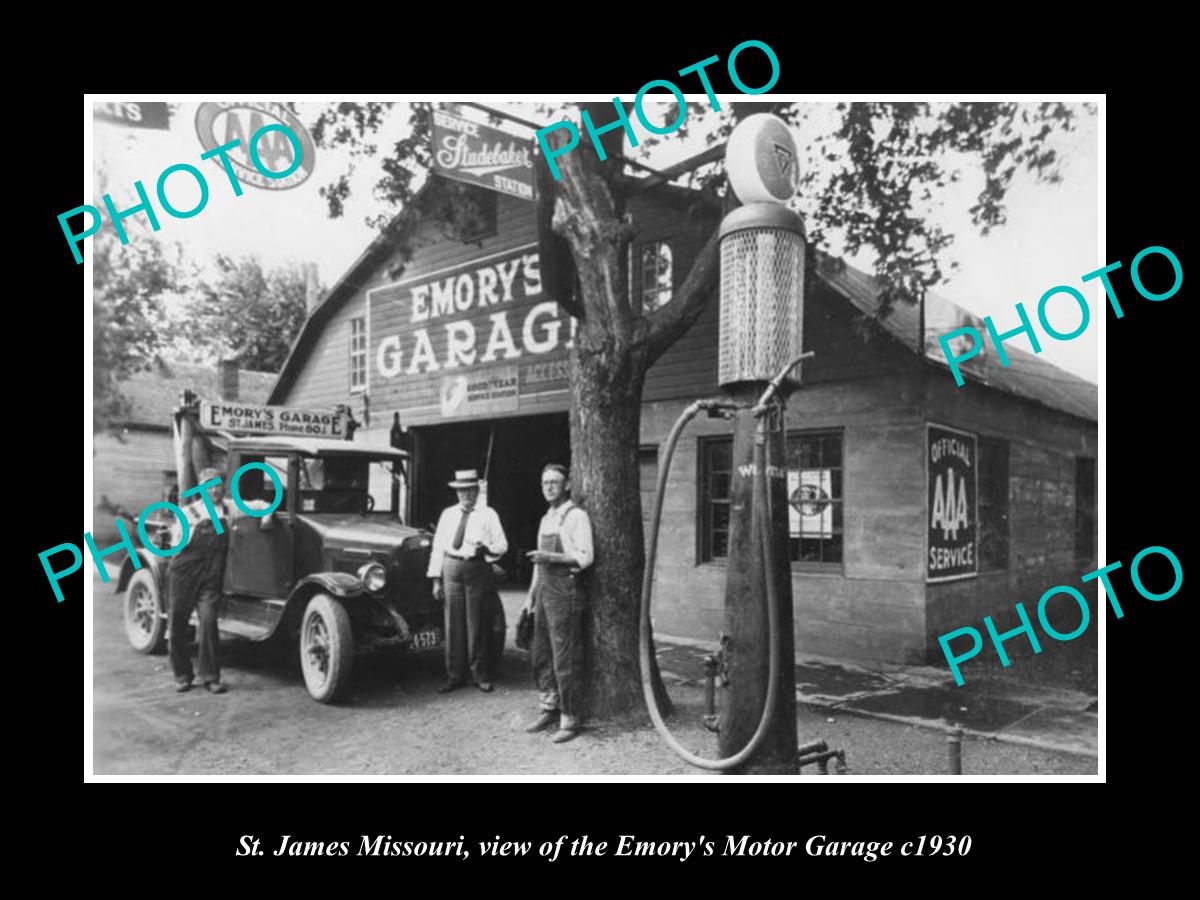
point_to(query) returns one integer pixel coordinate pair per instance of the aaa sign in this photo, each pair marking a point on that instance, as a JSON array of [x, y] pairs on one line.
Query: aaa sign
[[952, 503]]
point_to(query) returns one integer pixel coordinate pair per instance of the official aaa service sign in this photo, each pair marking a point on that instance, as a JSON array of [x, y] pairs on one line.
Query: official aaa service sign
[[952, 503], [285, 147]]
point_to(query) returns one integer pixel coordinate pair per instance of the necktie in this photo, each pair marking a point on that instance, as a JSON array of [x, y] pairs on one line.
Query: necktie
[[462, 529]]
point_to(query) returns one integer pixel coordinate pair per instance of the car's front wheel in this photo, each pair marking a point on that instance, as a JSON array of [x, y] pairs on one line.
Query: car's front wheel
[[145, 618], [326, 648]]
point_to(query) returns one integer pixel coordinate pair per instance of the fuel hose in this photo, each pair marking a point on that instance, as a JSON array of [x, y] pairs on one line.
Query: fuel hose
[[761, 538]]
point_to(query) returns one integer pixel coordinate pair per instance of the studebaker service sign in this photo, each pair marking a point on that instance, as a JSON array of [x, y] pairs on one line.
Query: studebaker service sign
[[253, 418]]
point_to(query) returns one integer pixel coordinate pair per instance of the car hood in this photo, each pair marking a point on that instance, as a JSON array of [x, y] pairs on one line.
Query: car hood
[[348, 529]]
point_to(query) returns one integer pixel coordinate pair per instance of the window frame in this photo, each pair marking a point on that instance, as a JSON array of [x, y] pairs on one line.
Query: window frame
[[637, 275], [362, 387], [827, 566], [704, 504]]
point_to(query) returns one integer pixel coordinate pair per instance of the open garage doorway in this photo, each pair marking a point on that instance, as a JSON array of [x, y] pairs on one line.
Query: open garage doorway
[[510, 453]]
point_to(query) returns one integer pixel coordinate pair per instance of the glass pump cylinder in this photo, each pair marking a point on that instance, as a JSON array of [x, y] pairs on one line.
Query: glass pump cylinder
[[762, 294]]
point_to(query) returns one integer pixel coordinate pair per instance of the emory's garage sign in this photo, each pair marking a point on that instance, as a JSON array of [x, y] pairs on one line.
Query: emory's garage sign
[[258, 419], [952, 464], [481, 337]]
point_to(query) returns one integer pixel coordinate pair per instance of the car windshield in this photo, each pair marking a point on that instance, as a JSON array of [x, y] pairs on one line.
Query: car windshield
[[353, 484]]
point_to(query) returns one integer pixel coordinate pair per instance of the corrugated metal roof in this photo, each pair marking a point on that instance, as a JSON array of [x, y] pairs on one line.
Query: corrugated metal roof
[[1026, 375], [154, 394]]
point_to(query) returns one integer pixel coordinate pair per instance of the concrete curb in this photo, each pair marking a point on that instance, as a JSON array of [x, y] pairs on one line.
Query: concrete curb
[[999, 737]]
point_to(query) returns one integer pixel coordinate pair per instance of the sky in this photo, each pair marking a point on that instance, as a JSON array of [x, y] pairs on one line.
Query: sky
[[1050, 239]]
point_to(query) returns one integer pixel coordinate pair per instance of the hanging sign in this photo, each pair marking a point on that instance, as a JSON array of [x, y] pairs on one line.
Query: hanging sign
[[134, 115], [952, 493], [474, 153], [254, 418]]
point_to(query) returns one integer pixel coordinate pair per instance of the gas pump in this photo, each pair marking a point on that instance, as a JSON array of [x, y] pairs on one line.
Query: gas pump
[[761, 316]]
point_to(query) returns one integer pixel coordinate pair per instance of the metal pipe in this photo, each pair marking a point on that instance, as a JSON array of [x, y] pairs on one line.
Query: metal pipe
[[954, 741], [814, 747], [711, 719]]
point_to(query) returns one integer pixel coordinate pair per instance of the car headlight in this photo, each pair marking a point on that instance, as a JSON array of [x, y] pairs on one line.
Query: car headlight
[[373, 576]]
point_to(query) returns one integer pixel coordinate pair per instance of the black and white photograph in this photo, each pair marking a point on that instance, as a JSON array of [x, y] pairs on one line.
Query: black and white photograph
[[701, 434]]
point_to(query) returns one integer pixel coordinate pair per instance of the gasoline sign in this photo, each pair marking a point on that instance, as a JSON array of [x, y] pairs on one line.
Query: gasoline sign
[[952, 464]]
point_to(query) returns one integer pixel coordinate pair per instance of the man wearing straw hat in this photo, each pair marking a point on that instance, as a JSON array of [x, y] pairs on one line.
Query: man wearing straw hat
[[468, 540]]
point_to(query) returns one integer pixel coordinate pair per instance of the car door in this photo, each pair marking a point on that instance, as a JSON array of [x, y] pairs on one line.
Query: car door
[[260, 561]]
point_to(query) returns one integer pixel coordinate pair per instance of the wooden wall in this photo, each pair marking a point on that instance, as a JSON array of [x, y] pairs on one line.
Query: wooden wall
[[127, 468]]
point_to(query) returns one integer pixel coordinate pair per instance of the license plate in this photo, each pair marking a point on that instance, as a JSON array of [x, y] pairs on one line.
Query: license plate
[[423, 640]]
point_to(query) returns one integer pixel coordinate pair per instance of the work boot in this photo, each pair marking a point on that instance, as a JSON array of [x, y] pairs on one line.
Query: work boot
[[485, 686], [449, 686], [542, 722], [565, 734], [182, 687], [215, 687]]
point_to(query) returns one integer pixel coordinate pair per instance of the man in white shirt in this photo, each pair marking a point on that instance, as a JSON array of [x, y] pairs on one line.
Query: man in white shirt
[[564, 550], [468, 540]]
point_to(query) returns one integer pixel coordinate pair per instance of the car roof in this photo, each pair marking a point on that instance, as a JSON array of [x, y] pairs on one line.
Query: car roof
[[315, 447]]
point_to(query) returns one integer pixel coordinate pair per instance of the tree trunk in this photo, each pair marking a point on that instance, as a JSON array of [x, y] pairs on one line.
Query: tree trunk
[[606, 416]]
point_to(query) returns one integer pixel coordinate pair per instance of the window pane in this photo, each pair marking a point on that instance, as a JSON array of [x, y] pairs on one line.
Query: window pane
[[718, 487], [720, 454], [720, 545]]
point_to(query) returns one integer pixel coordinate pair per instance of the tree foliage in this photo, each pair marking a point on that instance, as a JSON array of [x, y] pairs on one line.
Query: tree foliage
[[246, 313], [129, 322], [869, 175]]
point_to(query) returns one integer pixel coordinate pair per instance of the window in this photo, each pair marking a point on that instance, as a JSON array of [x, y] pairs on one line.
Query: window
[[647, 479], [814, 485], [656, 273], [1085, 508], [993, 504], [256, 487], [716, 456], [358, 355]]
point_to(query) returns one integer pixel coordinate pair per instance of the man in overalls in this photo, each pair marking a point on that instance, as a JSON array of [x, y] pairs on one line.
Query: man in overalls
[[194, 578], [564, 550]]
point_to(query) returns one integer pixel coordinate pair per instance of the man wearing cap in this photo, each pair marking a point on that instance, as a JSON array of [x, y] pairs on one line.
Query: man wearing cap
[[194, 578], [564, 550], [468, 540]]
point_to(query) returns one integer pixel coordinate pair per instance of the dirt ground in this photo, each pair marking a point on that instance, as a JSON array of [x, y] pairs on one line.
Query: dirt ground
[[394, 723]]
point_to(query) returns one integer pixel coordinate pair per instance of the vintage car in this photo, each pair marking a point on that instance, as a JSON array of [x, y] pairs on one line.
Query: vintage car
[[324, 569]]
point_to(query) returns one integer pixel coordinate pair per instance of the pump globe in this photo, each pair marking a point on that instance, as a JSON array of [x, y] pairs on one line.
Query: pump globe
[[761, 160]]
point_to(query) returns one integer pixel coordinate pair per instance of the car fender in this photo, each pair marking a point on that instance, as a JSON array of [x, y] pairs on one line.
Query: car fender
[[156, 564], [340, 584]]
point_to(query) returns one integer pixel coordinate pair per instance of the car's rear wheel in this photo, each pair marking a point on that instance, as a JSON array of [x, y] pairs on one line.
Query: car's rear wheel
[[145, 617], [326, 648]]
